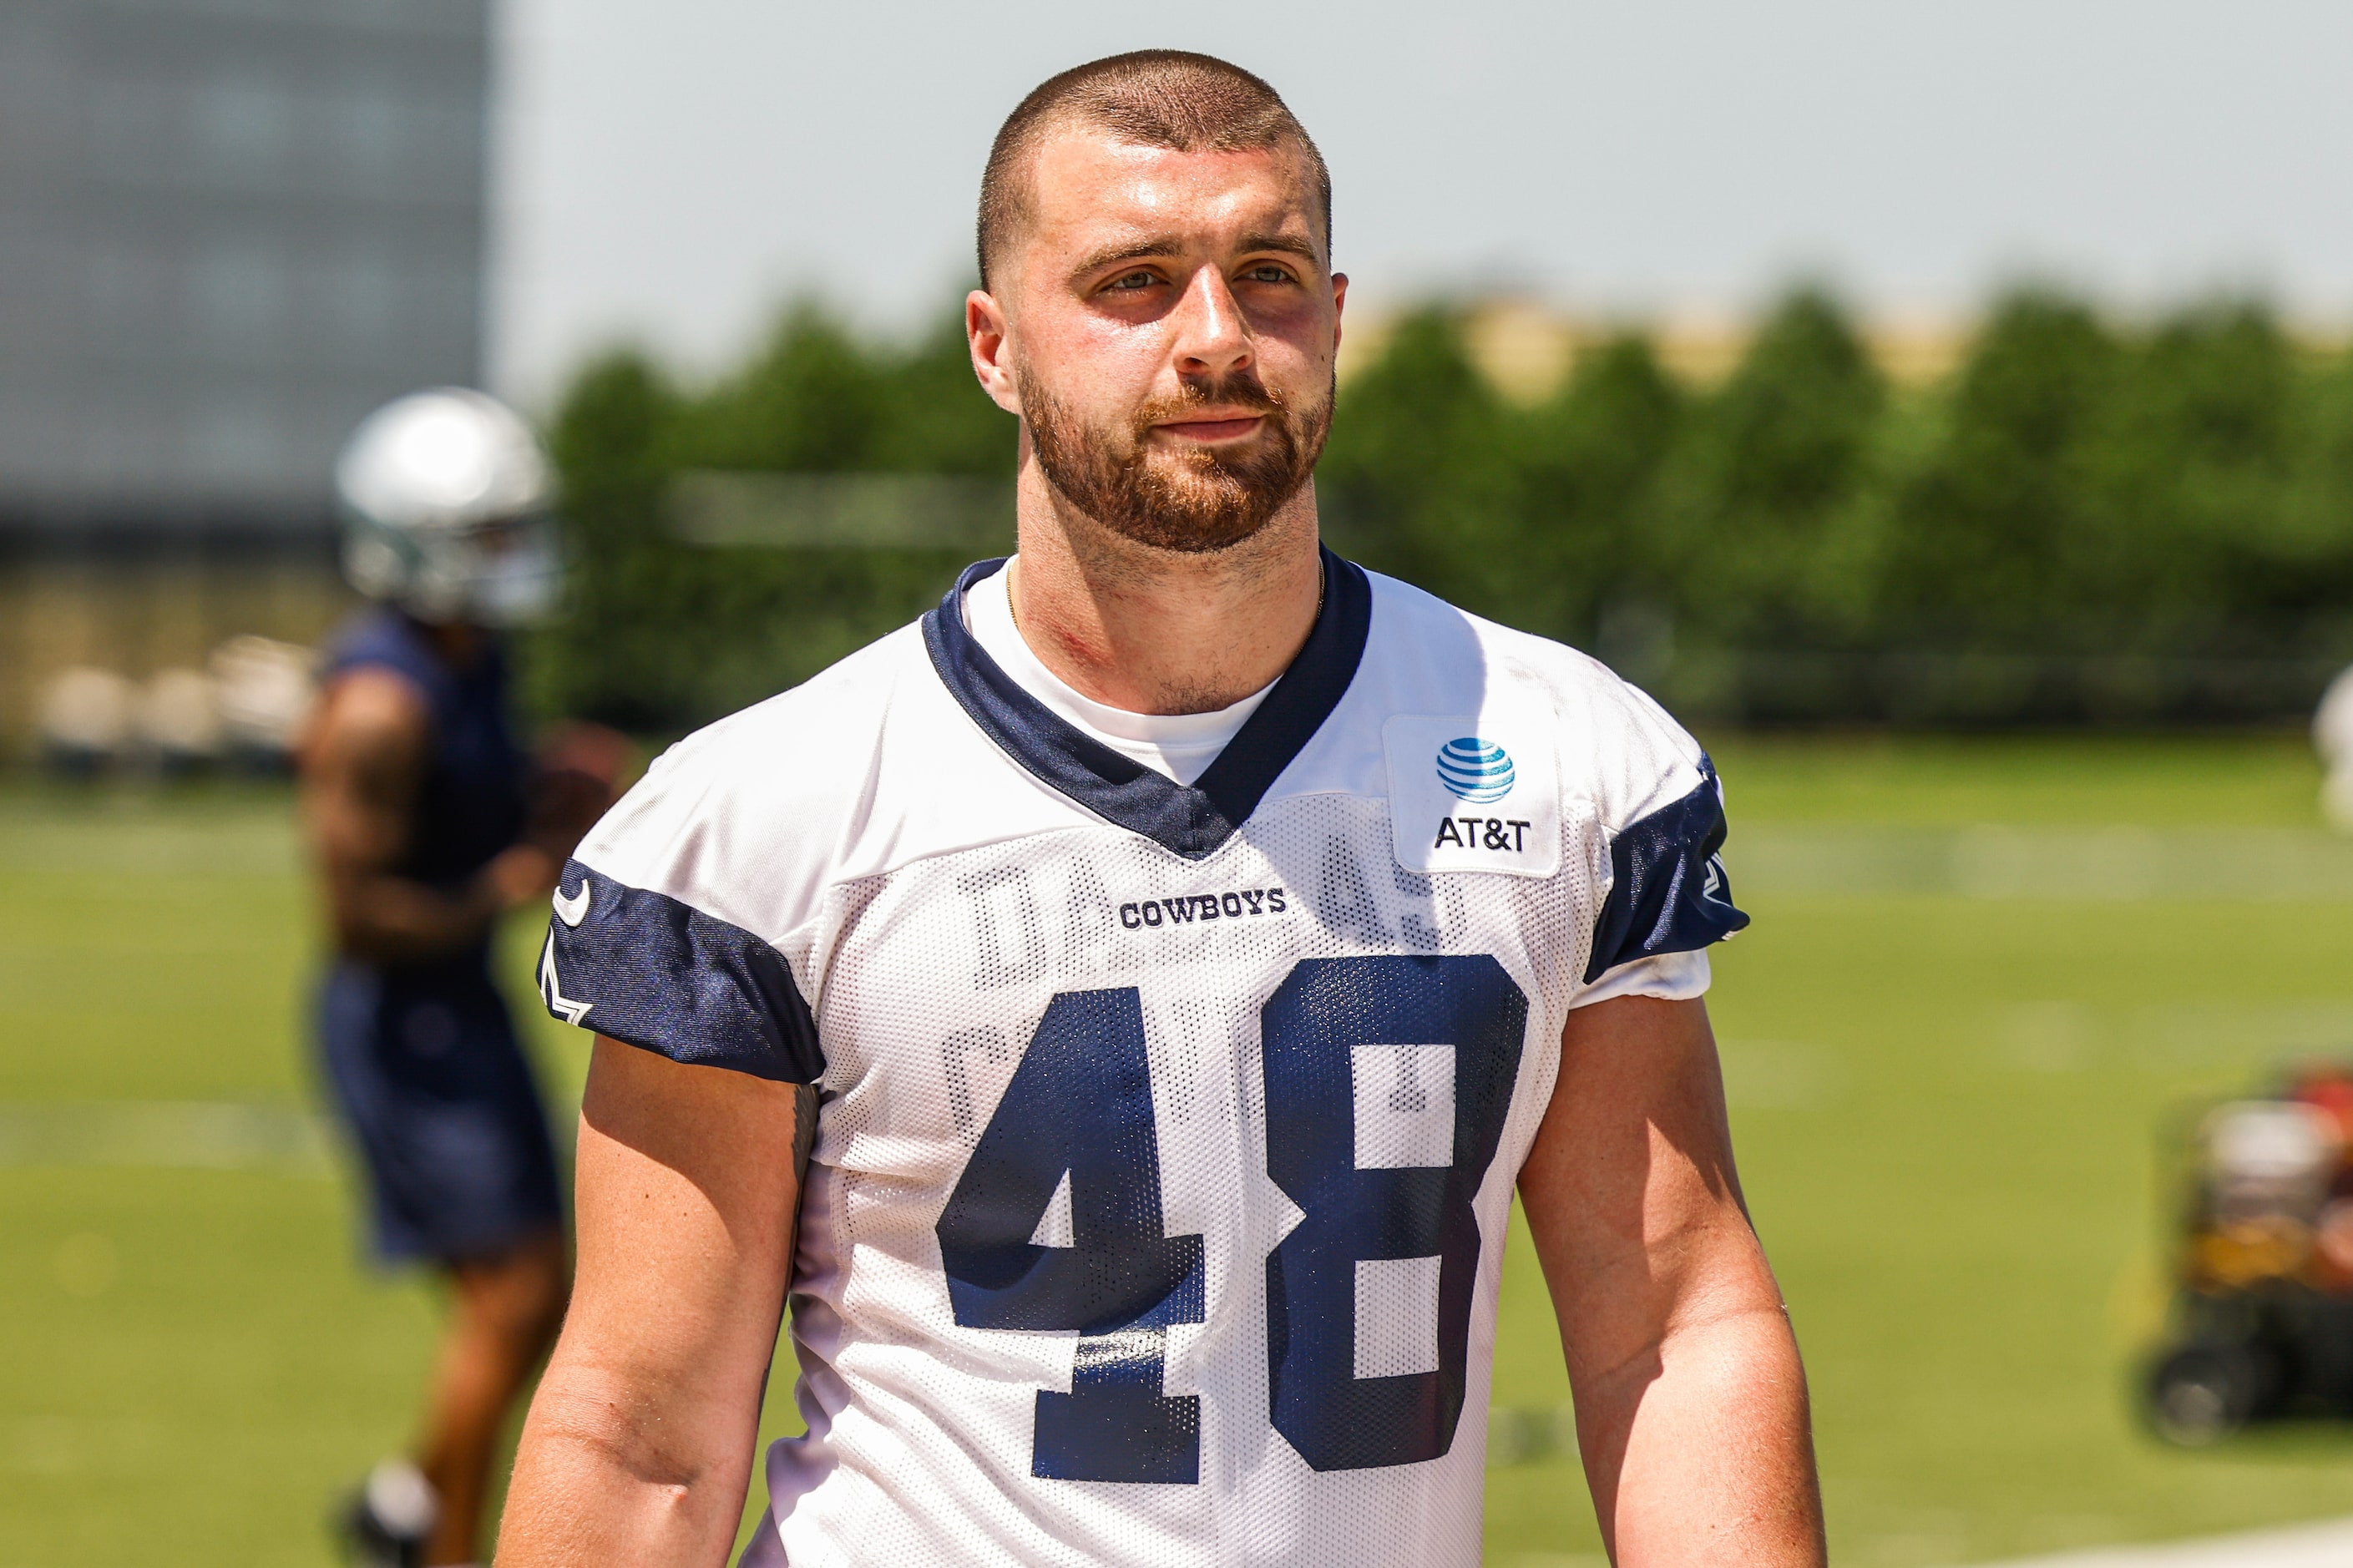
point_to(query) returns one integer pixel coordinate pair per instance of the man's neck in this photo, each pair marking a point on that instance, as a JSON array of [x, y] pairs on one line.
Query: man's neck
[[1154, 631]]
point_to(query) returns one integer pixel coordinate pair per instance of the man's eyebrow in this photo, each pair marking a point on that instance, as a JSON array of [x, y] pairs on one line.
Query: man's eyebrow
[[1160, 244], [1133, 251], [1282, 244]]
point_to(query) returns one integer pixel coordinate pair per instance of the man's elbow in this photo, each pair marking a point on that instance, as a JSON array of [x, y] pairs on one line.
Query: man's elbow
[[1731, 1319], [616, 1437]]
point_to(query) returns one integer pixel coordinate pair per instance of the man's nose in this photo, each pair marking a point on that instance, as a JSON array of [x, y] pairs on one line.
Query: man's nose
[[1212, 342]]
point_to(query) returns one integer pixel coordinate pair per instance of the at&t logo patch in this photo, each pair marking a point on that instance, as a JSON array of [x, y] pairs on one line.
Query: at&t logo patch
[[1475, 792]]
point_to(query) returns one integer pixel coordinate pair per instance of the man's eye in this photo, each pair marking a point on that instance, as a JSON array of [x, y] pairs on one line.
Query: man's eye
[[1268, 272], [1130, 282]]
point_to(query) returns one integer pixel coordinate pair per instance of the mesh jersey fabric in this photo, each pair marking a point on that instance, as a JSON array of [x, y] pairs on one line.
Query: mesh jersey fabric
[[1156, 1208]]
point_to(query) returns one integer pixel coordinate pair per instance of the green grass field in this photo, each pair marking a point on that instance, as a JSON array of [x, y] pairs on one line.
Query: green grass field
[[1980, 975]]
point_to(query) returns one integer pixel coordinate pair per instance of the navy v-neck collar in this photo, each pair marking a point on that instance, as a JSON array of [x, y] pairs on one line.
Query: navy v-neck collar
[[1188, 820]]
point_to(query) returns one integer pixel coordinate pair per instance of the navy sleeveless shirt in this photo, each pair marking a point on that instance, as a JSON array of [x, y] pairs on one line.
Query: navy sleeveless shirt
[[469, 803], [421, 1056]]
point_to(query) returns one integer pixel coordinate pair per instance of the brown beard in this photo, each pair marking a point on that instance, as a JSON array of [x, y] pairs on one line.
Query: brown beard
[[1191, 503]]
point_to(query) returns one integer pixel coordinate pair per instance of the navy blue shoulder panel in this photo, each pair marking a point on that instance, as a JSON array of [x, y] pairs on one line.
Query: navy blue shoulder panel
[[1191, 821], [654, 973], [1668, 893]]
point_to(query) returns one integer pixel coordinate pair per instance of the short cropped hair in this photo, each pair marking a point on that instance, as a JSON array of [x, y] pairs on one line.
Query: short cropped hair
[[1151, 98]]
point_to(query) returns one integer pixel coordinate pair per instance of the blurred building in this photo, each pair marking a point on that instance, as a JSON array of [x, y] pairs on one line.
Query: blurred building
[[229, 229]]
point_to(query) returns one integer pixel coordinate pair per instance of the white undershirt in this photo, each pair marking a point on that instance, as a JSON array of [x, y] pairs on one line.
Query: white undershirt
[[1180, 745]]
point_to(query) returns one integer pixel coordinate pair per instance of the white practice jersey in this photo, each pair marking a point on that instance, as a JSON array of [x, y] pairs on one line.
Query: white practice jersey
[[1168, 1134]]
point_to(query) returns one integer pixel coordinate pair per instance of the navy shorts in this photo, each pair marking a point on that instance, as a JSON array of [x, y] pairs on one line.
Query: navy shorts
[[424, 1067]]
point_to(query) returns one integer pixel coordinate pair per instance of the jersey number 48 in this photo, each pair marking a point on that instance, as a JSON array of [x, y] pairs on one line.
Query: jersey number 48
[[1387, 1079]]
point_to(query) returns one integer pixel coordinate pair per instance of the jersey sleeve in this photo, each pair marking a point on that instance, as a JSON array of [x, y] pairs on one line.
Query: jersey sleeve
[[651, 945], [1670, 977], [1670, 898]]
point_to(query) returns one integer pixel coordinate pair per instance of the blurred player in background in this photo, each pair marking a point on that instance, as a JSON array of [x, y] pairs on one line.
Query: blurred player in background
[[1146, 983], [426, 824]]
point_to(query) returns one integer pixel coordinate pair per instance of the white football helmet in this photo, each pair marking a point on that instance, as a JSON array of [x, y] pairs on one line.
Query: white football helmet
[[445, 497]]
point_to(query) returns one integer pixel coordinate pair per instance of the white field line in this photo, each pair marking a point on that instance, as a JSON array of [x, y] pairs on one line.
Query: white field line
[[2128, 865], [2329, 1545], [162, 1133]]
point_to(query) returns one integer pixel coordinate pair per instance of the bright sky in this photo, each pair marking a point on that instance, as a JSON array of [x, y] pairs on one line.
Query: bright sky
[[669, 173]]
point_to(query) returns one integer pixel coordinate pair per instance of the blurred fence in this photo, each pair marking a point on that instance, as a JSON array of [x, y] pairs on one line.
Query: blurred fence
[[840, 512], [2070, 522]]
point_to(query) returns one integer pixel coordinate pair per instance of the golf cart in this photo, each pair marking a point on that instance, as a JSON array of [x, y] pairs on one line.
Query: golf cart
[[2263, 1311]]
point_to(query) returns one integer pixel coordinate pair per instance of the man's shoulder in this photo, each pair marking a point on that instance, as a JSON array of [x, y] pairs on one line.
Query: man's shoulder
[[1413, 627], [839, 713], [1616, 746], [743, 818]]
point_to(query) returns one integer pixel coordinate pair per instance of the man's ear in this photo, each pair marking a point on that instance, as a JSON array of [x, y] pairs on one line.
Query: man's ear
[[989, 335]]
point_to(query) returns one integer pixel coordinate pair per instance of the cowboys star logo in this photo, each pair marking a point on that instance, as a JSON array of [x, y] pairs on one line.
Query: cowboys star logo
[[550, 989]]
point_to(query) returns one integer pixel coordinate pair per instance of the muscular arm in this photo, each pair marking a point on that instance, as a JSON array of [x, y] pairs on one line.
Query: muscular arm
[[360, 768], [639, 1445], [1691, 1403]]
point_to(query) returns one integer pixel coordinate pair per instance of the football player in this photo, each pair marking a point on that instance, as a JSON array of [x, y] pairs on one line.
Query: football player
[[1119, 1009], [427, 824]]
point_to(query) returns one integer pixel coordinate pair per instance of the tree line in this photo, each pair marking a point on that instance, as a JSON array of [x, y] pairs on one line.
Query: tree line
[[2087, 520]]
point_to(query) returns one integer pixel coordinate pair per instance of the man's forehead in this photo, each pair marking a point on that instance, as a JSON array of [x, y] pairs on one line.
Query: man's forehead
[[1088, 187]]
